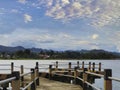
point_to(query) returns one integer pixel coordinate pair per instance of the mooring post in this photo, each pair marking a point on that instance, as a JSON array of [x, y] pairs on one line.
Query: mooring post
[[37, 73], [50, 72], [89, 68], [33, 85], [84, 79], [83, 65], [93, 68], [12, 67], [107, 81], [22, 78], [99, 66], [56, 65], [75, 74], [78, 65], [16, 82], [69, 68]]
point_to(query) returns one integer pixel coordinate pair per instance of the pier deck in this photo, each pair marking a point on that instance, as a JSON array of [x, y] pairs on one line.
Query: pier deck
[[46, 84]]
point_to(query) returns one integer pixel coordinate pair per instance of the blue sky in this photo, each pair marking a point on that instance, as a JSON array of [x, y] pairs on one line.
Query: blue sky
[[61, 24]]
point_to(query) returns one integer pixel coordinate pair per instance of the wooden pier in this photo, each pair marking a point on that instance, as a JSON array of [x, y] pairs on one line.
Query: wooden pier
[[46, 84], [77, 76]]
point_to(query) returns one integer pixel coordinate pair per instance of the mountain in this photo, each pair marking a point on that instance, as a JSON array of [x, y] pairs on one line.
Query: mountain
[[10, 49], [18, 48], [37, 50]]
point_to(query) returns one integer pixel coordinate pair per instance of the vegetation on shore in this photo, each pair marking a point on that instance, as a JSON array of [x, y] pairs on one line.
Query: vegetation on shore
[[50, 54]]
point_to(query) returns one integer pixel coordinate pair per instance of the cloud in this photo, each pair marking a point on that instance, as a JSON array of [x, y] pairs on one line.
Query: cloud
[[27, 18], [14, 11], [95, 36], [22, 1], [100, 12], [61, 41]]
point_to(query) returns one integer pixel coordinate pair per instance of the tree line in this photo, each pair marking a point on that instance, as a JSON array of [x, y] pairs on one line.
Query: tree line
[[51, 54]]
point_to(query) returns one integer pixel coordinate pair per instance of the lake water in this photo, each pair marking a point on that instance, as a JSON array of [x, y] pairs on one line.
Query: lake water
[[106, 64]]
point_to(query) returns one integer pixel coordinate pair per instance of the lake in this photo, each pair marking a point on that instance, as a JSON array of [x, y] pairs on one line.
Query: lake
[[106, 64]]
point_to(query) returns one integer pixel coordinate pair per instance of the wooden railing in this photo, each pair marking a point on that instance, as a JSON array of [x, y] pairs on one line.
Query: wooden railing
[[16, 80], [77, 75], [91, 69]]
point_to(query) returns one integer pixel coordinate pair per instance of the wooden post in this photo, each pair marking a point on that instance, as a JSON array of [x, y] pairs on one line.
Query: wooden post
[[50, 72], [89, 68], [93, 68], [78, 65], [75, 74], [69, 67], [37, 73], [56, 65], [37, 64], [12, 67], [83, 65], [16, 82], [99, 66], [22, 78], [33, 86], [84, 79], [107, 81]]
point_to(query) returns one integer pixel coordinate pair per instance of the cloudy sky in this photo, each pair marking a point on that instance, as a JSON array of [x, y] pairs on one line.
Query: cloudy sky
[[61, 24]]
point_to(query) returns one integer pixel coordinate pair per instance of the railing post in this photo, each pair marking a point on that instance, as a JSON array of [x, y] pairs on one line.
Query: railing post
[[107, 81], [33, 86], [56, 65], [22, 78], [89, 68], [82, 65], [69, 67], [37, 73], [78, 65], [12, 67], [37, 64], [93, 68], [75, 74], [50, 72], [99, 66], [84, 79], [16, 82]]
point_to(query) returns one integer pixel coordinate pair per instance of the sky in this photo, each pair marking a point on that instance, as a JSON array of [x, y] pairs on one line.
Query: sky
[[61, 24]]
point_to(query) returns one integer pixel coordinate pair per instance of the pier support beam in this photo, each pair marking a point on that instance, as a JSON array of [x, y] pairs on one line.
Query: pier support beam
[[37, 73], [12, 67], [84, 79], [69, 68], [107, 81], [89, 68], [78, 65], [33, 86], [56, 65], [93, 67], [83, 65], [50, 72], [99, 67], [16, 82], [22, 78]]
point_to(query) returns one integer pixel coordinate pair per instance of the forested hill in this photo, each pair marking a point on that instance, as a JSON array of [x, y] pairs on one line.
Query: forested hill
[[20, 52]]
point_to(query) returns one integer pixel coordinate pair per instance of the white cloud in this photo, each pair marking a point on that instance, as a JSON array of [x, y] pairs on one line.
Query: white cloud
[[22, 1], [101, 12], [27, 18], [14, 11], [45, 39], [95, 36], [37, 38]]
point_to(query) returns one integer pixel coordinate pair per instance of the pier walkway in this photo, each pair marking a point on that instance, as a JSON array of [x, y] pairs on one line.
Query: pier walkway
[[46, 84], [81, 75]]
